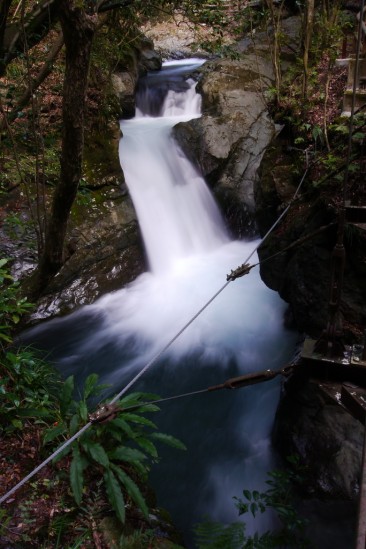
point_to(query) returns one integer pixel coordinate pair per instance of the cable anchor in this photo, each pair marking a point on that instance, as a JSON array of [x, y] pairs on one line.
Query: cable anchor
[[105, 412], [239, 271]]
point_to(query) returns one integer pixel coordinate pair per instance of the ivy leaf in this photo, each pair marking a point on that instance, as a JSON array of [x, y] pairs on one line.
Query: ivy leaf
[[115, 495], [132, 489]]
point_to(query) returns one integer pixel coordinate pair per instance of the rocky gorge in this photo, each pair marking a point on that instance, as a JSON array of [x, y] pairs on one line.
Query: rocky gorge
[[253, 170]]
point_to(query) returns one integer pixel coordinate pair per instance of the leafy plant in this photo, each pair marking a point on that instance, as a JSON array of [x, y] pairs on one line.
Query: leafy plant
[[278, 497], [12, 305], [119, 451], [28, 388], [4, 521]]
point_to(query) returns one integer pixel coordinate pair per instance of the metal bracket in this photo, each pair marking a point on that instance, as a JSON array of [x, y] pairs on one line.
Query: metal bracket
[[106, 412], [239, 271]]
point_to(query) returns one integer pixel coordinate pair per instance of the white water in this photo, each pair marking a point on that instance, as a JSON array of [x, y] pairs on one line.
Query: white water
[[189, 253]]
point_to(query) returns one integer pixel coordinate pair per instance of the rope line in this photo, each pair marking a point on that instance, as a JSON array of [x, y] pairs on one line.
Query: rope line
[[169, 344], [157, 355], [44, 463]]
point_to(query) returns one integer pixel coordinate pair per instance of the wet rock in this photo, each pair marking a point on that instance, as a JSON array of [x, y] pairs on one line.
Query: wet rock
[[142, 57], [228, 141], [327, 438], [302, 274], [106, 258]]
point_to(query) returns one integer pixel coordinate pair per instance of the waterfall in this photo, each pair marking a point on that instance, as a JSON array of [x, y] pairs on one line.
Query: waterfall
[[177, 214], [189, 254]]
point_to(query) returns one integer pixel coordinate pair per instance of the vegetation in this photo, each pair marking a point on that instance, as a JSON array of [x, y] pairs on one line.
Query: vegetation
[[103, 474], [279, 497]]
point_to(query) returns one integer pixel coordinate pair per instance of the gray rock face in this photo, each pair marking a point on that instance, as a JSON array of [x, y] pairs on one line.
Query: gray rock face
[[227, 143], [302, 274], [107, 256], [142, 58], [325, 436]]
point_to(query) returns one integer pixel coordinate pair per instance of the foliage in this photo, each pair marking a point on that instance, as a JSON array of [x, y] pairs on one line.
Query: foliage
[[119, 451], [141, 539], [12, 305], [27, 384], [28, 388], [279, 497]]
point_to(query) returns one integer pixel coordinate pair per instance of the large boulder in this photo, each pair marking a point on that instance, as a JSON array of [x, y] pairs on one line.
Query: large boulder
[[311, 424], [302, 274], [228, 141]]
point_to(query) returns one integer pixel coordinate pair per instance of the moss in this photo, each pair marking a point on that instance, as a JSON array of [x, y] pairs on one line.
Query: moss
[[101, 158]]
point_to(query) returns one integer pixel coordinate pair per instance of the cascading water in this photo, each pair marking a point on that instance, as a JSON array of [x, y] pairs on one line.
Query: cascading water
[[189, 253]]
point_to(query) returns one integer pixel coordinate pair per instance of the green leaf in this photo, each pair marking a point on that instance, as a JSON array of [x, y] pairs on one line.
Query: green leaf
[[135, 418], [169, 440], [96, 452], [147, 445], [76, 475], [74, 424], [115, 495], [66, 395], [135, 398], [123, 426], [247, 494], [123, 453], [53, 433], [17, 423], [90, 384], [148, 408], [33, 412], [83, 411], [62, 454], [132, 489]]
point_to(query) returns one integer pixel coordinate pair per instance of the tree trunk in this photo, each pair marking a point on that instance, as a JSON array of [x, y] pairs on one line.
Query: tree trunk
[[78, 29], [308, 32], [4, 11]]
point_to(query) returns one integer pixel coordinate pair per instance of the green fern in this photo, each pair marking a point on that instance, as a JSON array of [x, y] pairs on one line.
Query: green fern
[[119, 451]]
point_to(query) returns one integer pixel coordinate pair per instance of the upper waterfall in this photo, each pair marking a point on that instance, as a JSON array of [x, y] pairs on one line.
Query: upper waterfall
[[177, 214]]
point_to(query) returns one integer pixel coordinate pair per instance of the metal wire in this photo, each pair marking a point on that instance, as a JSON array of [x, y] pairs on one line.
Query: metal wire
[[155, 358]]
